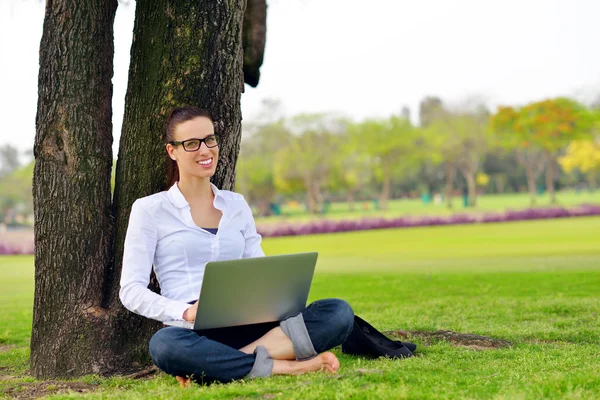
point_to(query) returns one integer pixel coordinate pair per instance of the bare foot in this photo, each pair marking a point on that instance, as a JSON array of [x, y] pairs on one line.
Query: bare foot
[[183, 382], [327, 362]]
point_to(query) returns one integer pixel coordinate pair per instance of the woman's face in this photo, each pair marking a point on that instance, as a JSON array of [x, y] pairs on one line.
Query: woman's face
[[202, 162]]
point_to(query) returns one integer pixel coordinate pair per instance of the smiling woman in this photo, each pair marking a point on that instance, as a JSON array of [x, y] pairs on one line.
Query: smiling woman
[[176, 233]]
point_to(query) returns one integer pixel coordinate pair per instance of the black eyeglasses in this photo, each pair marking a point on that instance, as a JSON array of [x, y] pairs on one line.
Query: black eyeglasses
[[194, 144]]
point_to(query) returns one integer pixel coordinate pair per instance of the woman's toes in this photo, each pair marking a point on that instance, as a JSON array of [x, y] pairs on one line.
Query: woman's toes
[[183, 382], [330, 362]]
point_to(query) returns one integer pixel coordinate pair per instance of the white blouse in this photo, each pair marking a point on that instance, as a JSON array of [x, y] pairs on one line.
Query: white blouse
[[161, 232]]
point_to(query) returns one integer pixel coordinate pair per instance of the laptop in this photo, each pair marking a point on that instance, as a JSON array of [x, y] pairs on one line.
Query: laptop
[[252, 290]]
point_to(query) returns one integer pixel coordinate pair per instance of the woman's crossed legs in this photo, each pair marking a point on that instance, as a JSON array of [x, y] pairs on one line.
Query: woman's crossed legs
[[295, 346]]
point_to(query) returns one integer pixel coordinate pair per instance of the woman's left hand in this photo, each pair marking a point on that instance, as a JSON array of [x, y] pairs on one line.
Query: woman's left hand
[[190, 313]]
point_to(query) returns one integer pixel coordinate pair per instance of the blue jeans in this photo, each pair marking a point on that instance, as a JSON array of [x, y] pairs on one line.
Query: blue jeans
[[213, 355]]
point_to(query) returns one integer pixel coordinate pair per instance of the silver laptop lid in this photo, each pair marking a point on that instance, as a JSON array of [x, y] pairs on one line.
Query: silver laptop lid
[[254, 290]]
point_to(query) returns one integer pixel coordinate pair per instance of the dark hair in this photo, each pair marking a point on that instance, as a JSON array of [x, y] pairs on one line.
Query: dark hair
[[178, 116]]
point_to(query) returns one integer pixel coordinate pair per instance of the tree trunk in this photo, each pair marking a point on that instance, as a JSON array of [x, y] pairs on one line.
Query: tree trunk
[[531, 178], [311, 200], [472, 188], [253, 39], [263, 206], [350, 199], [550, 177], [450, 175], [184, 52], [385, 191], [500, 181], [71, 189], [533, 162], [591, 180], [319, 199]]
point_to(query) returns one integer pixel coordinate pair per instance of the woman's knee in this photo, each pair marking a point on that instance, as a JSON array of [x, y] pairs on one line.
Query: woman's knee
[[338, 315], [343, 317], [167, 346], [161, 345]]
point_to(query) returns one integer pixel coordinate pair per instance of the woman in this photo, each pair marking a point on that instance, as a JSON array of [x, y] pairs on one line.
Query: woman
[[179, 231]]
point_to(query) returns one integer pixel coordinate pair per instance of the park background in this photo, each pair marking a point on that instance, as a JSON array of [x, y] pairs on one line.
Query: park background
[[373, 106], [477, 122]]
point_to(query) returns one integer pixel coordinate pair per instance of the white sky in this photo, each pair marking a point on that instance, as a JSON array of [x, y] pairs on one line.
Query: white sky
[[359, 58]]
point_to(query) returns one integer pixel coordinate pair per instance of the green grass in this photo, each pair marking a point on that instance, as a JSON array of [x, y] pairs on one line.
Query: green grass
[[415, 207], [16, 300], [535, 284]]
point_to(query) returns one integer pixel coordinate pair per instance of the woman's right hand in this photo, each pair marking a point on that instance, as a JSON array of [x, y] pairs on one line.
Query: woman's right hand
[[190, 313]]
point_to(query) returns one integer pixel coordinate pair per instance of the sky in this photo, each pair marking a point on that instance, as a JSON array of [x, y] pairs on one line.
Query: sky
[[361, 59]]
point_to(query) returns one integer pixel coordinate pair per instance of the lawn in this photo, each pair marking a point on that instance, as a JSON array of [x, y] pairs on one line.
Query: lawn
[[415, 207], [534, 284]]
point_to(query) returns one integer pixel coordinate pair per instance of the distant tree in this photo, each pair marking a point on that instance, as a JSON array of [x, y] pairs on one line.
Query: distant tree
[[539, 131], [583, 155], [255, 180], [9, 159], [460, 140], [430, 175], [271, 111], [393, 147], [430, 109], [475, 142], [305, 164], [290, 176], [506, 173], [255, 176], [405, 113], [351, 169], [15, 191], [513, 136]]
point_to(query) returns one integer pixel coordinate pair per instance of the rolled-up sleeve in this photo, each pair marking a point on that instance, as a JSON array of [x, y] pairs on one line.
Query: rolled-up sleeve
[[138, 256], [253, 238]]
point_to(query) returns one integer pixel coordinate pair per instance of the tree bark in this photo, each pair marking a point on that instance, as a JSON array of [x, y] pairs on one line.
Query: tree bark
[[71, 188], [253, 39], [183, 52]]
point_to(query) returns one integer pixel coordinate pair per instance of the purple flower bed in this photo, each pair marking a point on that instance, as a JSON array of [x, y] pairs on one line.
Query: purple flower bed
[[317, 227], [6, 249]]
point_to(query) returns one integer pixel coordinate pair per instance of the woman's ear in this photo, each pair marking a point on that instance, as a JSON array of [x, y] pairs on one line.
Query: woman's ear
[[171, 152]]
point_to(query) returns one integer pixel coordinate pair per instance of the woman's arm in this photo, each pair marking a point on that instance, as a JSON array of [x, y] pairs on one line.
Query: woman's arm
[[253, 238], [138, 255]]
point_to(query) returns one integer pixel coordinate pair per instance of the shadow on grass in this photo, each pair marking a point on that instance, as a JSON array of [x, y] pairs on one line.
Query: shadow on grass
[[468, 340], [35, 390]]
